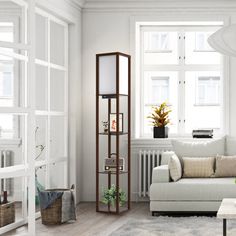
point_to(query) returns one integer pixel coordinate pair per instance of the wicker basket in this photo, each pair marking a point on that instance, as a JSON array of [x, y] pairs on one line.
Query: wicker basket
[[7, 213], [52, 214]]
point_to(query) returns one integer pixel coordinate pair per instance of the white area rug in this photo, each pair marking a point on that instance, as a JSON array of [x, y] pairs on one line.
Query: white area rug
[[176, 226]]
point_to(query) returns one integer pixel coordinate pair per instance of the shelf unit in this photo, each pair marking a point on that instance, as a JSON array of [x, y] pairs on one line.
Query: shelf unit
[[108, 137]]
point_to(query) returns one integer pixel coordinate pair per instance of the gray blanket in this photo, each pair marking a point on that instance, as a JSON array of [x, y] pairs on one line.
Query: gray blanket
[[68, 209], [47, 198]]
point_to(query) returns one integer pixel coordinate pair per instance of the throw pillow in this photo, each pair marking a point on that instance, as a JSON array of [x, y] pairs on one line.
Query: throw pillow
[[175, 168], [225, 166], [198, 167]]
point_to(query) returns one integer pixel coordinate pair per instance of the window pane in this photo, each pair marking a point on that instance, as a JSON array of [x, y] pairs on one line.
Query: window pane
[[58, 180], [40, 173], [7, 31], [42, 87], [57, 44], [160, 48], [208, 90], [202, 100], [12, 82], [58, 137], [15, 188], [57, 87], [197, 49], [160, 87], [41, 37], [40, 138]]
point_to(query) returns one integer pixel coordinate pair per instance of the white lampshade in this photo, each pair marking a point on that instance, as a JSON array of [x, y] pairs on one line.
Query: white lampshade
[[224, 40], [107, 66]]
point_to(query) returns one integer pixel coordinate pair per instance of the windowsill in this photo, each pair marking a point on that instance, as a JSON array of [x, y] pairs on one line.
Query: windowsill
[[9, 142], [165, 143]]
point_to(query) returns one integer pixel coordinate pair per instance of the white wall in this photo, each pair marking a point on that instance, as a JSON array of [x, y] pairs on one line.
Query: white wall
[[108, 29], [101, 33]]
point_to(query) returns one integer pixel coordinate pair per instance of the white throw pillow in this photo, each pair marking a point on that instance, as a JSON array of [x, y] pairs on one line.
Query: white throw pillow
[[165, 157], [175, 168], [198, 167], [199, 148]]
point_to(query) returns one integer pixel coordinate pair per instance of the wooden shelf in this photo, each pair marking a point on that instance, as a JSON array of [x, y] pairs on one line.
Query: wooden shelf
[[114, 103], [112, 172], [114, 133], [108, 96]]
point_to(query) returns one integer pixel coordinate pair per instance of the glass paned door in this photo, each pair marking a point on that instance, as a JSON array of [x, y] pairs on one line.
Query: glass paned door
[[16, 111]]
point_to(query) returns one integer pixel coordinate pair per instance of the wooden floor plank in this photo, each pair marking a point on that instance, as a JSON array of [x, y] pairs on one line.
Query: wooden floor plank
[[89, 222]]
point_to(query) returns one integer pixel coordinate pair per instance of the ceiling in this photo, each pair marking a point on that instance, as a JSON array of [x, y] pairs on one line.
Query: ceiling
[[154, 3]]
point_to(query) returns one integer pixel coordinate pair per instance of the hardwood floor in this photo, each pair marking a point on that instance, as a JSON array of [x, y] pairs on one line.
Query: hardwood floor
[[89, 222]]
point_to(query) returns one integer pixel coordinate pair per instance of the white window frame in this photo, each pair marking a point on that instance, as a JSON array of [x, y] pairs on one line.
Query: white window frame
[[137, 23]]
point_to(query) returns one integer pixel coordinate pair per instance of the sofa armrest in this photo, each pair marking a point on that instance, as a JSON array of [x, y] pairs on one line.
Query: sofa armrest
[[161, 174]]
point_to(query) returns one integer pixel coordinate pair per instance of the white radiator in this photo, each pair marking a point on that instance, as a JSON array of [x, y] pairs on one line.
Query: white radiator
[[148, 159]]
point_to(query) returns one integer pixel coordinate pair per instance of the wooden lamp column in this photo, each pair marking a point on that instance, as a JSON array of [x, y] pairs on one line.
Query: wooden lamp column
[[113, 80]]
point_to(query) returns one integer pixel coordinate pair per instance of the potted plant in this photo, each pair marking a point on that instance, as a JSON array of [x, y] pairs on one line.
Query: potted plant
[[160, 120], [109, 196]]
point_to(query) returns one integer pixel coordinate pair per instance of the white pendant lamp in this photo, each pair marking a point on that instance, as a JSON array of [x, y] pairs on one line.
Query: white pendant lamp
[[224, 40]]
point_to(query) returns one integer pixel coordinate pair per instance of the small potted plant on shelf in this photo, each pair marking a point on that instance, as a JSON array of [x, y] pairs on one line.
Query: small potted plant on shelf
[[109, 196], [160, 120]]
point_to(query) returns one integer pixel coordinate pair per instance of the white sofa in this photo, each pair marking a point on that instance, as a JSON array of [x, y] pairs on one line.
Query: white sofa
[[192, 194]]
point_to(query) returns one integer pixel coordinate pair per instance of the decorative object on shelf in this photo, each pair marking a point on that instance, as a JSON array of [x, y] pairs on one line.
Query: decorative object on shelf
[[202, 133], [113, 122], [7, 212], [110, 194], [160, 120], [110, 163], [223, 40], [105, 126], [113, 88]]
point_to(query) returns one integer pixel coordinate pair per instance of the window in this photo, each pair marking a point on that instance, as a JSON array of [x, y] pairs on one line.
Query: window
[[179, 67]]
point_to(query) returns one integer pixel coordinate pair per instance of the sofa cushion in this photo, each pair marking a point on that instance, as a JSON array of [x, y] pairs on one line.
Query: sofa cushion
[[199, 148], [200, 167], [175, 168], [225, 166], [195, 189], [230, 146]]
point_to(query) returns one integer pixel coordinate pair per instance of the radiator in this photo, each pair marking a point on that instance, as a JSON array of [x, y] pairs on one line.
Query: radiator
[[148, 159], [6, 159]]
